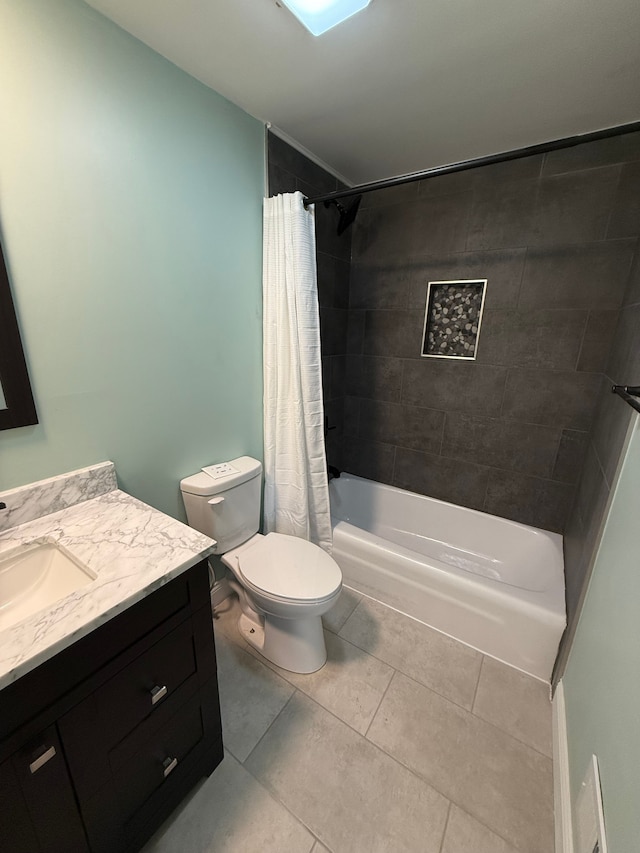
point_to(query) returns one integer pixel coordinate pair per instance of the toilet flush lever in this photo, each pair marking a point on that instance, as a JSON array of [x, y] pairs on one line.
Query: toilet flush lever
[[215, 501]]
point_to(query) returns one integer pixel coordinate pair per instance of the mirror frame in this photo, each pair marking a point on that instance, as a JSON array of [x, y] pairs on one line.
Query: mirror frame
[[21, 409]]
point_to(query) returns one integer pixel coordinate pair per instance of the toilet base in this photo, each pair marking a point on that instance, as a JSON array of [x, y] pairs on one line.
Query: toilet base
[[296, 645]]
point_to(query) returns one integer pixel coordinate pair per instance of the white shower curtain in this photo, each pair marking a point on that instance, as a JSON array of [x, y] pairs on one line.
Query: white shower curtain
[[296, 496]]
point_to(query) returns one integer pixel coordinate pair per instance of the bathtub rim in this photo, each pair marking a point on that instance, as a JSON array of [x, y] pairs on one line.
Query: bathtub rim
[[553, 595], [479, 615]]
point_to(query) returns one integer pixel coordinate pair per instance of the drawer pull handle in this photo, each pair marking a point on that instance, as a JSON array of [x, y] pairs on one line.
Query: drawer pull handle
[[158, 693], [47, 755], [168, 765]]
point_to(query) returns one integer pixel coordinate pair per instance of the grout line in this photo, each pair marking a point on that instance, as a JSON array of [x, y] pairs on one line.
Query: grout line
[[599, 461], [482, 719], [614, 197], [510, 844], [446, 826], [276, 796], [377, 746], [393, 464], [444, 426], [486, 489], [270, 667], [402, 672], [375, 713], [394, 758], [339, 633], [396, 671], [521, 282], [473, 201], [582, 340], [543, 161], [260, 739], [504, 392], [408, 616], [475, 692], [450, 799]]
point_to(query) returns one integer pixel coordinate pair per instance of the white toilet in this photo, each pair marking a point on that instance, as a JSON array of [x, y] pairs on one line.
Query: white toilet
[[285, 584]]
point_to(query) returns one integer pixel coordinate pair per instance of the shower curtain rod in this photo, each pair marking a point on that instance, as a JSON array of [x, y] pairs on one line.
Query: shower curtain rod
[[629, 394], [490, 159]]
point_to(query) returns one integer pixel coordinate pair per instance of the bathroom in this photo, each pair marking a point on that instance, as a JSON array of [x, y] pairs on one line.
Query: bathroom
[[139, 302]]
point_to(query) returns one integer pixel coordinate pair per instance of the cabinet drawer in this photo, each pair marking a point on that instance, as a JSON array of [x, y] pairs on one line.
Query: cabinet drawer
[[136, 798], [122, 710], [145, 684], [159, 759], [125, 703], [138, 690]]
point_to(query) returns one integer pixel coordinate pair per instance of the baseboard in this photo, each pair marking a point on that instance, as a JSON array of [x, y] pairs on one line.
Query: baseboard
[[561, 785]]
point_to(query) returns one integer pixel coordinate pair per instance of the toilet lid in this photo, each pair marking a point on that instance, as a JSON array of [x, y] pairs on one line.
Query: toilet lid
[[290, 568]]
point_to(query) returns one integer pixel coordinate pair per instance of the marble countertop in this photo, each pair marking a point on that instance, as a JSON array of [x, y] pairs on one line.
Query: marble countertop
[[132, 548]]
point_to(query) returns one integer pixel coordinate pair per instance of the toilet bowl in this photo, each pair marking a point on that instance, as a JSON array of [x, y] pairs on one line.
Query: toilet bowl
[[284, 583], [288, 583]]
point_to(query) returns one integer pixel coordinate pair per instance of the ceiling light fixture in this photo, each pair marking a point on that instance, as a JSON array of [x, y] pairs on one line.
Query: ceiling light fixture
[[318, 16]]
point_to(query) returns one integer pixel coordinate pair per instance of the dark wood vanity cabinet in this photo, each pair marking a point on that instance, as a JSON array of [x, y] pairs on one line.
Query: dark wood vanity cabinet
[[39, 810], [132, 713]]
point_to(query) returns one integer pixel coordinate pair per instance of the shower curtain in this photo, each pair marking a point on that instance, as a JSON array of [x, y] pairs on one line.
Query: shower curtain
[[296, 495]]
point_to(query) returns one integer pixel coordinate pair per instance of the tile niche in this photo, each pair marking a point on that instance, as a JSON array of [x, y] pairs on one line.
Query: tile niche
[[452, 318]]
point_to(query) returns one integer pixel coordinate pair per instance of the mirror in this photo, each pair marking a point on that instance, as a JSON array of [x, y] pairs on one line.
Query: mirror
[[17, 407]]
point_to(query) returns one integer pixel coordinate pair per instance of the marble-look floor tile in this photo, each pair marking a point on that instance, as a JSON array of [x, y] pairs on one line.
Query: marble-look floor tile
[[352, 796], [435, 660], [516, 703], [465, 835], [497, 779], [320, 848], [232, 812], [341, 610], [350, 684], [251, 697]]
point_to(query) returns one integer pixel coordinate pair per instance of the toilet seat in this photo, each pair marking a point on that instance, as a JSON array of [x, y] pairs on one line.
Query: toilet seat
[[287, 568]]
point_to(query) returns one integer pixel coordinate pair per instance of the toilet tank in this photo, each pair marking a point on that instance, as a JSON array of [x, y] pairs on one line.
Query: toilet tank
[[223, 501]]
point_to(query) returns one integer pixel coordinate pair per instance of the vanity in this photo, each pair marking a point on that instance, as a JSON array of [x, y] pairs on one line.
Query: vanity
[[109, 710]]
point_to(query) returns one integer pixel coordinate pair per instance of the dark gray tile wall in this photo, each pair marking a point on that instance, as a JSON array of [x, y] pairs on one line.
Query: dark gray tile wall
[[605, 446], [531, 430], [510, 433], [291, 171]]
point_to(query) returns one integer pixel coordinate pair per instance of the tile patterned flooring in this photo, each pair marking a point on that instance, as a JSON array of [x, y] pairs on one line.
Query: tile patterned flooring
[[405, 742]]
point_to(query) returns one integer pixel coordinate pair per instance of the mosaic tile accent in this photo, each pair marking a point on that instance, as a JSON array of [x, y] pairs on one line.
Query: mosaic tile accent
[[452, 318]]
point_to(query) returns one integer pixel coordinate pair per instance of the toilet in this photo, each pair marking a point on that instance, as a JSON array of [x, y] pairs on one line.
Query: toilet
[[284, 583]]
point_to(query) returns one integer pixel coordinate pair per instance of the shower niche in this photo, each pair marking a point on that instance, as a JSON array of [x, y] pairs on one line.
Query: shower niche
[[452, 318]]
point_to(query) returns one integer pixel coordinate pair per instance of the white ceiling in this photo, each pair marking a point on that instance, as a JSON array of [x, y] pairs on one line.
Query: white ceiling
[[408, 84]]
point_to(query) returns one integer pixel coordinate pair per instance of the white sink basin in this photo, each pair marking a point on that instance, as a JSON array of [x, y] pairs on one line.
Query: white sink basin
[[35, 576]]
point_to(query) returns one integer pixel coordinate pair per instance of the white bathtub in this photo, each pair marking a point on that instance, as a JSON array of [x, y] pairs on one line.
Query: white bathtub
[[491, 583]]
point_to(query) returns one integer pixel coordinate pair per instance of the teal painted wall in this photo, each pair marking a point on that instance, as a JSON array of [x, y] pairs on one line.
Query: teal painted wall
[[130, 208], [602, 683]]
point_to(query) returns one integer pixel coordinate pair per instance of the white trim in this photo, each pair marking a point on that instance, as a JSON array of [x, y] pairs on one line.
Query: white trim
[[561, 782], [473, 357], [306, 153]]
